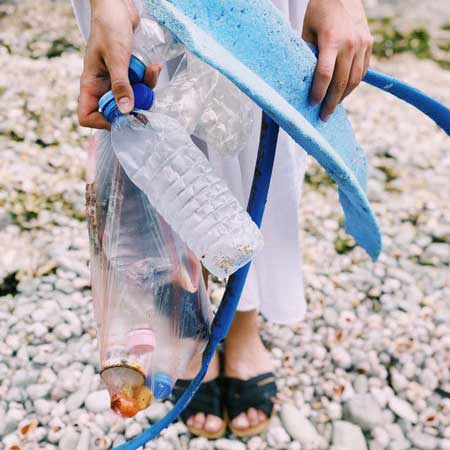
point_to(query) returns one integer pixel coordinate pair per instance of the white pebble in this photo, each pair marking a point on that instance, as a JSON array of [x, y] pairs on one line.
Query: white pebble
[[132, 430], [36, 391], [69, 439], [228, 444], [98, 401], [403, 409]]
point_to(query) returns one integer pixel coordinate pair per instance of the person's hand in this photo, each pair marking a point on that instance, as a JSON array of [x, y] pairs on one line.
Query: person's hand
[[107, 58], [339, 29]]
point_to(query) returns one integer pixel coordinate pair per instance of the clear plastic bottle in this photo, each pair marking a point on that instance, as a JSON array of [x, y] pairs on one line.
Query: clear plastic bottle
[[227, 120], [147, 285], [161, 160], [202, 100]]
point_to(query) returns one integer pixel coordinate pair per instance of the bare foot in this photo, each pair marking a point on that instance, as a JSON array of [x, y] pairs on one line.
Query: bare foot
[[245, 358], [210, 424]]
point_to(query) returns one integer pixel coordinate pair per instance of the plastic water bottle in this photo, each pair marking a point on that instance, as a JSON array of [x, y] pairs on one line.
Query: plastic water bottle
[[150, 301], [201, 99], [227, 120], [160, 158]]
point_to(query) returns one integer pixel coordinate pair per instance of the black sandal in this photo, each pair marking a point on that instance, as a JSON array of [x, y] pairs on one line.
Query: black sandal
[[208, 400], [240, 395]]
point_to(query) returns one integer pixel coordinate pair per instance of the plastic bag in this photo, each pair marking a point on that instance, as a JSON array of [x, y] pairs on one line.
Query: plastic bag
[[202, 100], [150, 300]]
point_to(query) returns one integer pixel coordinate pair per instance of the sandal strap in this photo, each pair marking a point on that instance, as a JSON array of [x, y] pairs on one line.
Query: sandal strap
[[257, 392], [208, 399]]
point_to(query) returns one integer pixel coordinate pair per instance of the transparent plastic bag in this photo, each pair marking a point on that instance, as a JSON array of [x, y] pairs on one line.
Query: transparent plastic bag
[[150, 300], [204, 102]]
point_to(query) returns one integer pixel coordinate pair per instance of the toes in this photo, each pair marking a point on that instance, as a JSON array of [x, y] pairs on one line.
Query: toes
[[252, 415], [213, 424], [241, 421], [261, 416], [199, 421]]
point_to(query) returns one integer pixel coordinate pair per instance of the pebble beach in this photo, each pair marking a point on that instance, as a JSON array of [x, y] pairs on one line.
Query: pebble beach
[[368, 368]]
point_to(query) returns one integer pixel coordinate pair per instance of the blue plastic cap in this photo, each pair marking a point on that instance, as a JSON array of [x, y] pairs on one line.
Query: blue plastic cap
[[136, 71], [162, 385], [143, 96], [143, 99]]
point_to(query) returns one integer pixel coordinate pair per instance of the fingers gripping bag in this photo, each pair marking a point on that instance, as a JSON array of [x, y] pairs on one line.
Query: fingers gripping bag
[[150, 301]]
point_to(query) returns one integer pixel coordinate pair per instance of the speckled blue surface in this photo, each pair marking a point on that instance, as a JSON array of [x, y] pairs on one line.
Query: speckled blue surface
[[252, 44]]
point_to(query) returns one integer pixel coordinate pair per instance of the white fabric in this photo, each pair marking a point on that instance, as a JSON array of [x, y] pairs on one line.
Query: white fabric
[[275, 281]]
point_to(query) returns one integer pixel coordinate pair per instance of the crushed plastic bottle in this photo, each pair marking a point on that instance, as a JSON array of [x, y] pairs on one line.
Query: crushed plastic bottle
[[160, 158], [150, 301], [202, 100], [227, 120]]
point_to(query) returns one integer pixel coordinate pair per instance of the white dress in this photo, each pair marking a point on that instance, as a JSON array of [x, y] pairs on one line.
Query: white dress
[[275, 281]]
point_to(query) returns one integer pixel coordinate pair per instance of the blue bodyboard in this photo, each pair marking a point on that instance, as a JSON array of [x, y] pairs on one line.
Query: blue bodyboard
[[252, 44]]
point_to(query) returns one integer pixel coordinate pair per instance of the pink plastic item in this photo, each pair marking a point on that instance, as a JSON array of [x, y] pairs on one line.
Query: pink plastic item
[[140, 341]]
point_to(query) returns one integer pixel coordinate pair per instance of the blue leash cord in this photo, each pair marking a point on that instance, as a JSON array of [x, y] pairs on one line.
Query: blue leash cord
[[430, 107], [423, 102], [227, 309]]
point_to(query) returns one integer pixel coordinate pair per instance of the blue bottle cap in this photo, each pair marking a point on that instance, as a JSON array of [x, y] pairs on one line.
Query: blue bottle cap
[[136, 71], [162, 385], [143, 99]]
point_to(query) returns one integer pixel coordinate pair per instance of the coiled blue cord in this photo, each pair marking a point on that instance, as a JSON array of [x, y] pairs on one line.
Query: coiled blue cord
[[227, 309]]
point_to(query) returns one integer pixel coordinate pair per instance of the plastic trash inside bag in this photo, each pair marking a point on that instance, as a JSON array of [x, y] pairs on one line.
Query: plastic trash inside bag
[[202, 100], [150, 301]]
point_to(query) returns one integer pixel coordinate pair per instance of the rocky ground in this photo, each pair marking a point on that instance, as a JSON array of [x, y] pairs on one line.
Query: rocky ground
[[369, 366]]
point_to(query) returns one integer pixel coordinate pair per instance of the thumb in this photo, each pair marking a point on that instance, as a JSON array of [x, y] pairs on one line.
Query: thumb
[[120, 84]]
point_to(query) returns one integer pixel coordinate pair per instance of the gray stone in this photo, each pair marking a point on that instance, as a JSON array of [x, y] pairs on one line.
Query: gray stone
[[201, 443], [132, 430], [76, 399], [399, 381], [103, 442], [11, 420], [341, 357], [348, 436], [64, 286], [118, 440], [422, 440], [375, 445], [256, 443], [36, 391], [381, 436], [334, 411], [24, 377], [277, 437], [364, 411], [228, 444], [403, 409], [98, 401], [69, 439], [83, 443], [62, 331], [156, 411], [361, 384], [294, 445], [43, 407], [440, 251], [400, 445], [300, 428]]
